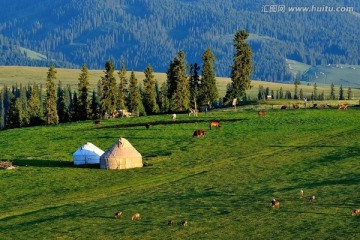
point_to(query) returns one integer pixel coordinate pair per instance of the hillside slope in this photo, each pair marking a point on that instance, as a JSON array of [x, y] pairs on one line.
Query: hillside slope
[[152, 31]]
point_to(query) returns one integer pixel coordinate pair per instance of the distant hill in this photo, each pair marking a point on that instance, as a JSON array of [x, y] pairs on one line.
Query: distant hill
[[142, 32]]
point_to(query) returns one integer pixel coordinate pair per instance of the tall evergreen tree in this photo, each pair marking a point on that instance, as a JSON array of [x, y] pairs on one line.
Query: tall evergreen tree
[[164, 102], [14, 114], [75, 111], [34, 108], [50, 110], [95, 111], [108, 91], [83, 91], [332, 92], [63, 106], [2, 111], [241, 68], [178, 84], [149, 94], [209, 91], [315, 93], [195, 83], [341, 93], [296, 83], [349, 93], [122, 89], [134, 101]]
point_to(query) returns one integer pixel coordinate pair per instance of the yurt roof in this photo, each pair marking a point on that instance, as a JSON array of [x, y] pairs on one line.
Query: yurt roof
[[88, 148], [121, 148]]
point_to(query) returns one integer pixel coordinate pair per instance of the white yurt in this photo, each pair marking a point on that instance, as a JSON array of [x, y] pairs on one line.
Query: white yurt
[[121, 155], [87, 154]]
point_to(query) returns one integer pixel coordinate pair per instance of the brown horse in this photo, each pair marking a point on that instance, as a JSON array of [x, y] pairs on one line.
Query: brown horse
[[215, 124]]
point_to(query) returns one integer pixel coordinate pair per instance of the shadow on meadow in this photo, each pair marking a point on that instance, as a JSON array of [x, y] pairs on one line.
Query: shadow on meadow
[[50, 163]]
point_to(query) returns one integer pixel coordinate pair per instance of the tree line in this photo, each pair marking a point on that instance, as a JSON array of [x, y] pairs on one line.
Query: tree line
[[187, 86]]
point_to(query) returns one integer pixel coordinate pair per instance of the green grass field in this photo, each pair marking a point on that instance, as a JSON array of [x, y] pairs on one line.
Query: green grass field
[[25, 75], [222, 184]]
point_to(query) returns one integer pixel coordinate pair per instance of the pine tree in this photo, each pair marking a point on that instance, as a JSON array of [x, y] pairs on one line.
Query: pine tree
[[63, 106], [95, 114], [14, 115], [315, 93], [2, 111], [296, 83], [23, 100], [108, 91], [301, 94], [241, 68], [122, 89], [341, 93], [209, 91], [178, 84], [164, 101], [332, 92], [75, 111], [195, 82], [83, 89], [50, 110], [134, 101], [34, 108], [149, 94], [349, 93]]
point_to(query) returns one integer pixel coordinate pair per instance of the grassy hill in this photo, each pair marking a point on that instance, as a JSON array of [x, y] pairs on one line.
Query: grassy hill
[[222, 184], [10, 75]]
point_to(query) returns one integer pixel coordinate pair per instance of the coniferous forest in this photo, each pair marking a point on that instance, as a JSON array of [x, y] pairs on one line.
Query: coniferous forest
[[72, 33]]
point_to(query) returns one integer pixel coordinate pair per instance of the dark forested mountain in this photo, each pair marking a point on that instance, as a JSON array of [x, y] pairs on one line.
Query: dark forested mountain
[[141, 32]]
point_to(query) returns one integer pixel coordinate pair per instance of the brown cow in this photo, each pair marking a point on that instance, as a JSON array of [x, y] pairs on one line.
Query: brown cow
[[355, 212], [261, 113], [343, 106], [215, 124], [275, 203], [136, 216], [118, 214], [199, 132], [283, 107], [170, 222], [296, 106], [97, 122]]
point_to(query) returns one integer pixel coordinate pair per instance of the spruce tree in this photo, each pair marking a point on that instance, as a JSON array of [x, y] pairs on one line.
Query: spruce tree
[[108, 91], [134, 101], [51, 114], [14, 115], [178, 84], [75, 111], [164, 102], [149, 94], [315, 93], [241, 68], [83, 89], [63, 106], [34, 108], [122, 89], [209, 91], [349, 93], [95, 114], [332, 92], [2, 111], [341, 93], [195, 84]]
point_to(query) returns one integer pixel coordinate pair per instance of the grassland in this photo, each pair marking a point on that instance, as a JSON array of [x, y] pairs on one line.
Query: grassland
[[222, 184], [26, 75]]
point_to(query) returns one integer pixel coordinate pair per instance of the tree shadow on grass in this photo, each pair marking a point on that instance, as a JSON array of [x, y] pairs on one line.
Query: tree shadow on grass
[[50, 163]]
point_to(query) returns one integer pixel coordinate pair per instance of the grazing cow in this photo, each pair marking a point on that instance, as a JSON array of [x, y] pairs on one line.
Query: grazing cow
[[275, 203], [301, 193], [184, 223], [343, 106], [118, 214], [136, 216], [171, 222], [261, 113], [199, 132], [283, 107], [355, 212], [215, 124], [97, 122], [147, 126], [296, 106], [312, 198]]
